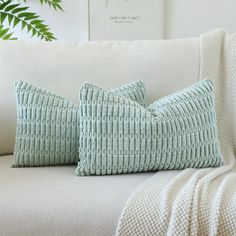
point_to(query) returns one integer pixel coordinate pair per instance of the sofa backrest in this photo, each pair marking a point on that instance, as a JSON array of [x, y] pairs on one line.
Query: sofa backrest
[[165, 66]]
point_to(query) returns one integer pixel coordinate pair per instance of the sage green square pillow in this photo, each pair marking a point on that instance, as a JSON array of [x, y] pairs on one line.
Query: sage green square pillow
[[48, 125], [118, 135]]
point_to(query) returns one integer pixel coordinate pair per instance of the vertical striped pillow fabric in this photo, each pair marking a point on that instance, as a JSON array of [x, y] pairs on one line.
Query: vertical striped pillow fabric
[[117, 135], [48, 125]]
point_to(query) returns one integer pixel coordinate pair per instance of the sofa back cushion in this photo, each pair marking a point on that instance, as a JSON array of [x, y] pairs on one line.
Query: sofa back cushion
[[165, 66]]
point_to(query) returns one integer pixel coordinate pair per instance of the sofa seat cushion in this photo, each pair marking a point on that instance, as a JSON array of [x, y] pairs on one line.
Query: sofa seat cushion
[[53, 201]]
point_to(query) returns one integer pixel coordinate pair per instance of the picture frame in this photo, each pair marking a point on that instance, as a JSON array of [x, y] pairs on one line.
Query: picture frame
[[125, 19]]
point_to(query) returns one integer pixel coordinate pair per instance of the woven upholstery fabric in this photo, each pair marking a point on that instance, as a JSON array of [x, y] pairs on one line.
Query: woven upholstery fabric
[[120, 136], [134, 91], [48, 125]]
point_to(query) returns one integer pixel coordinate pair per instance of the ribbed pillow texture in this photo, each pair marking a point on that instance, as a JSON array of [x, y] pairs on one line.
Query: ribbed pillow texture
[[48, 125], [118, 135]]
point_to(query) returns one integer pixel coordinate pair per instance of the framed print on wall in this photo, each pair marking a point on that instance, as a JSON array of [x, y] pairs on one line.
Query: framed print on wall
[[125, 19]]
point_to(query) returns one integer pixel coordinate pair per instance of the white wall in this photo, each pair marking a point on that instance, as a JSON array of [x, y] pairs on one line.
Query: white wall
[[186, 18], [183, 18]]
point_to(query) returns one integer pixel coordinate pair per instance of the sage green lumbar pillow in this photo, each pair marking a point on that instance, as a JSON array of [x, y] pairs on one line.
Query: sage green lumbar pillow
[[118, 135], [48, 125]]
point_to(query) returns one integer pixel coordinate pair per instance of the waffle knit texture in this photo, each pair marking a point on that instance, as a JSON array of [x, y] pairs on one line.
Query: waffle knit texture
[[120, 136], [48, 125], [196, 202]]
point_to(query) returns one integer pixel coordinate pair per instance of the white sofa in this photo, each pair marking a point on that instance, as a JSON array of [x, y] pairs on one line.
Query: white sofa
[[52, 200]]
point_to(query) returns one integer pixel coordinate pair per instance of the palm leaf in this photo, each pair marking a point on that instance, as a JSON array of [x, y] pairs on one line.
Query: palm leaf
[[16, 14], [56, 4], [5, 33]]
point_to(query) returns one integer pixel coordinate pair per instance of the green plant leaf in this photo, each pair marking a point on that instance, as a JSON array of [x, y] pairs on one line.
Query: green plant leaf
[[11, 7], [56, 4], [2, 17], [4, 4], [19, 9], [16, 21], [5, 34], [16, 14]]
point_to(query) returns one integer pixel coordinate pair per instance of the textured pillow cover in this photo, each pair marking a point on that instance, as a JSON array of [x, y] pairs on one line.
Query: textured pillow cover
[[120, 136], [48, 125]]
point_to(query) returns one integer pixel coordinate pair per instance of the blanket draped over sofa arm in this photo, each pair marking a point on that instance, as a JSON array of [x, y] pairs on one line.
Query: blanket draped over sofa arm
[[196, 202]]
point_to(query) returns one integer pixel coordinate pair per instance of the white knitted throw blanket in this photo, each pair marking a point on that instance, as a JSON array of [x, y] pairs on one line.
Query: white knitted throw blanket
[[196, 202]]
